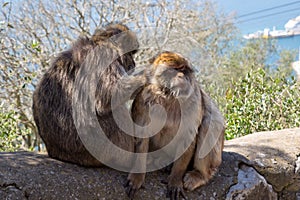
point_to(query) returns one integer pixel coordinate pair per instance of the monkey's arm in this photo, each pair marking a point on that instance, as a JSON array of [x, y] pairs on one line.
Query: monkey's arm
[[103, 72], [210, 142], [211, 131], [175, 184], [140, 115], [136, 180], [129, 86]]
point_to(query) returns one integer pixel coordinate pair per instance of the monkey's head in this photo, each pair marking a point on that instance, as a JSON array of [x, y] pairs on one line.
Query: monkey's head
[[173, 74], [123, 38]]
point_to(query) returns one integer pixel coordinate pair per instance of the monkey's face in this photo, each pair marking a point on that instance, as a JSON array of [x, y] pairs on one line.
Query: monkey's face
[[176, 82], [122, 38], [173, 74], [128, 62], [127, 44]]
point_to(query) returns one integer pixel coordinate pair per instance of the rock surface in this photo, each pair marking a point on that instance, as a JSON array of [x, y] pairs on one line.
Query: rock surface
[[250, 184], [262, 166], [275, 155]]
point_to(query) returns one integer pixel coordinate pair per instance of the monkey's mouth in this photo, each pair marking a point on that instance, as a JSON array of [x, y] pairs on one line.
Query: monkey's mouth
[[167, 92], [175, 92], [181, 92]]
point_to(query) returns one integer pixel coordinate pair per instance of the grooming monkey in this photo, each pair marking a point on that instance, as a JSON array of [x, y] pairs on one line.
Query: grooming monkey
[[190, 113], [52, 98]]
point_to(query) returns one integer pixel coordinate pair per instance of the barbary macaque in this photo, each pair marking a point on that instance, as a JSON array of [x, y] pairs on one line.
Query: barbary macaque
[[191, 113], [53, 96]]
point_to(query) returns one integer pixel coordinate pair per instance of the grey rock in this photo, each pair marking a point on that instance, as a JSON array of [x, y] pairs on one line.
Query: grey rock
[[274, 155], [257, 166], [250, 185]]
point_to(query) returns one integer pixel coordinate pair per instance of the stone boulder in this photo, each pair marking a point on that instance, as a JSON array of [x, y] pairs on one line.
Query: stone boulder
[[263, 165], [275, 156]]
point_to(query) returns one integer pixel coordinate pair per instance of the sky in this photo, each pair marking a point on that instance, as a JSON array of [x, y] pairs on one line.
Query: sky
[[241, 7]]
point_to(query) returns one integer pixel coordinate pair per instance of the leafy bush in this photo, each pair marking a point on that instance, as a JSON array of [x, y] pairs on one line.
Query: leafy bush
[[259, 102], [11, 131]]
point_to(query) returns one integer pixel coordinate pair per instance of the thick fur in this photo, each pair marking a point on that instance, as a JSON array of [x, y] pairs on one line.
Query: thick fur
[[52, 99], [201, 118]]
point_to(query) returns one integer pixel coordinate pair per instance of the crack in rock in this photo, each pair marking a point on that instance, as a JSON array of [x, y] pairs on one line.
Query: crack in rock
[[12, 191], [10, 185], [297, 165], [250, 185]]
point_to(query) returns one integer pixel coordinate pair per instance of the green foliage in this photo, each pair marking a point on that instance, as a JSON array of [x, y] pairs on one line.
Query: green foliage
[[255, 96], [11, 131], [286, 57], [259, 102]]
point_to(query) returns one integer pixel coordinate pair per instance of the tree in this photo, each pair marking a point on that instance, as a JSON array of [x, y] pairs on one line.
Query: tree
[[252, 54], [37, 30], [284, 63]]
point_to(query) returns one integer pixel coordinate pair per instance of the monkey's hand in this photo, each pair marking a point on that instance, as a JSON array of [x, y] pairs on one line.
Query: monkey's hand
[[143, 73], [134, 182], [175, 189]]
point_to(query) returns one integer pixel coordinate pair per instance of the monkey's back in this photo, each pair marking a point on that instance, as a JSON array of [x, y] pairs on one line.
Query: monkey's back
[[52, 111], [52, 107]]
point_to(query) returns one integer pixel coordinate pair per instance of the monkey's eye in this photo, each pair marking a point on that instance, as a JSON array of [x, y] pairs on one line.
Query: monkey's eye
[[184, 69], [134, 52], [188, 70]]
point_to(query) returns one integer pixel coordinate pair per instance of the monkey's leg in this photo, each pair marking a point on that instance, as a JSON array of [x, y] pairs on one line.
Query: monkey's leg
[[199, 176], [210, 141], [175, 185], [204, 168], [136, 180]]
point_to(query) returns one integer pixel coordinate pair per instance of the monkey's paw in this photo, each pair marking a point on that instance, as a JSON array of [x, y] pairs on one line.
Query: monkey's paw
[[134, 182], [175, 190], [192, 180]]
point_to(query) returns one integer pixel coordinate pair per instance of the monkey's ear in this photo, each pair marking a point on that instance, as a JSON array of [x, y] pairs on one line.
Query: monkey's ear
[[99, 35]]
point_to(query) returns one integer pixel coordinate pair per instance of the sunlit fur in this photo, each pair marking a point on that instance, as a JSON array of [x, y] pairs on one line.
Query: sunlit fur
[[168, 66], [174, 87], [52, 99]]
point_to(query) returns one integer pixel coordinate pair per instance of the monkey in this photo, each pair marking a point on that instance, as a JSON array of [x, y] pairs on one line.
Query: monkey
[[52, 98], [172, 84]]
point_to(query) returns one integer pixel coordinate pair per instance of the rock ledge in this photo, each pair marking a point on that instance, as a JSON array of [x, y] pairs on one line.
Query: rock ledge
[[263, 165]]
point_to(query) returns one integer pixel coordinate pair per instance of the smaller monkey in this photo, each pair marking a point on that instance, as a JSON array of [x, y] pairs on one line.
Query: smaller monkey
[[173, 86]]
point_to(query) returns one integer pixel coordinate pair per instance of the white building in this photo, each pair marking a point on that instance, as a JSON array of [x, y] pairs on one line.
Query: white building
[[293, 24]]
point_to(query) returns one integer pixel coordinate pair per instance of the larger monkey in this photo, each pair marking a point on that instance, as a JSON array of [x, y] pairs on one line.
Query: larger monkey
[[173, 86], [52, 99]]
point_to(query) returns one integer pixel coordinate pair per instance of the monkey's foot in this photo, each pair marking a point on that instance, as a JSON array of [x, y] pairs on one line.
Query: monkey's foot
[[192, 180], [175, 190], [134, 182]]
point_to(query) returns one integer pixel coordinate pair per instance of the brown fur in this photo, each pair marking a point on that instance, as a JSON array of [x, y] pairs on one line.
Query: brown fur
[[52, 99], [202, 118]]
